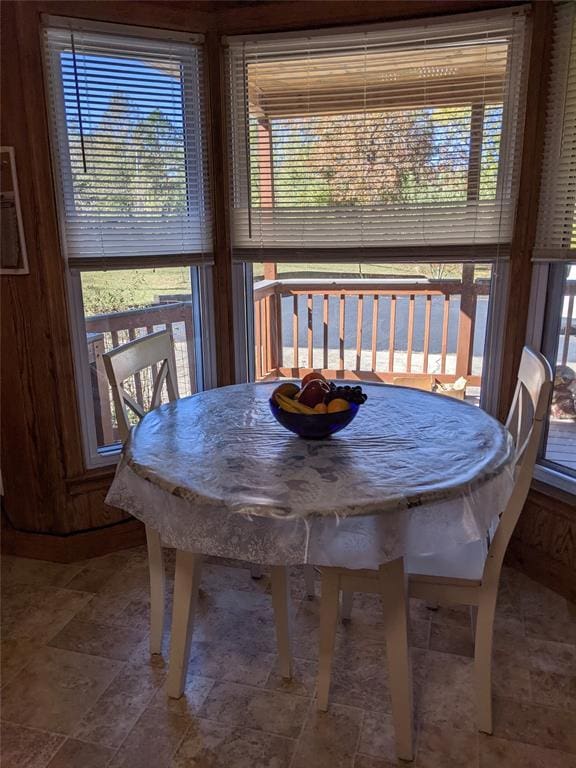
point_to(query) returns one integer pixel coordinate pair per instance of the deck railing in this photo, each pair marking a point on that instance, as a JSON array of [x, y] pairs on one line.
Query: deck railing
[[567, 324], [318, 307]]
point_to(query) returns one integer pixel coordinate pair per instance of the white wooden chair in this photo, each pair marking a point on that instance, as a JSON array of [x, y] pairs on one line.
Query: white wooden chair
[[471, 574], [122, 363], [156, 351]]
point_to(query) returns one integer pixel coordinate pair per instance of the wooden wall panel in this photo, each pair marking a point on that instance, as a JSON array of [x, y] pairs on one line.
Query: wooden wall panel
[[238, 17], [32, 465], [544, 542]]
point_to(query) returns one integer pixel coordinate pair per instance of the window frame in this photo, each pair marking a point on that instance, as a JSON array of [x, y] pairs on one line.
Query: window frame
[[546, 302], [511, 141], [201, 283], [201, 270]]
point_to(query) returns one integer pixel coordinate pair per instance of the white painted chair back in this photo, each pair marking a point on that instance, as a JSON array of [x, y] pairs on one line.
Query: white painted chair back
[[525, 422], [154, 351]]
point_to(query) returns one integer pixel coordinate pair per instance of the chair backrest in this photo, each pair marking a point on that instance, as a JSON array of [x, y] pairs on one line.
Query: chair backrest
[[154, 351], [525, 422]]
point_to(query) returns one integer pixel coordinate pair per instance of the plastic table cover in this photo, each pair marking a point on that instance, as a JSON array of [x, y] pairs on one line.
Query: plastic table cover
[[415, 473]]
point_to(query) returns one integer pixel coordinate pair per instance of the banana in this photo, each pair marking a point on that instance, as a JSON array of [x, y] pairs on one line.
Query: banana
[[292, 406], [286, 404]]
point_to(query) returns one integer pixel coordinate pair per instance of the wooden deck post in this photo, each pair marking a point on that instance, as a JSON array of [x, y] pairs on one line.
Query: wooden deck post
[[190, 343], [100, 391], [273, 351], [466, 320]]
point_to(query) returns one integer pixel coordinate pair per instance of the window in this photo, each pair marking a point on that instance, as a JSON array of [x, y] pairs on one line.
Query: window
[[559, 449], [120, 306], [394, 148], [554, 286], [130, 169]]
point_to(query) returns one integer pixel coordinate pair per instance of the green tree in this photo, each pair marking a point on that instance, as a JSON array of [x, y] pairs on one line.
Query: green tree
[[134, 165]]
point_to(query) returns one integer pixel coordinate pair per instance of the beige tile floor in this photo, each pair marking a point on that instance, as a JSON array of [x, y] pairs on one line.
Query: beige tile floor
[[79, 689]]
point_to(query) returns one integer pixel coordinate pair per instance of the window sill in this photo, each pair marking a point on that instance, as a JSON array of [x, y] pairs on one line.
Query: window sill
[[553, 483]]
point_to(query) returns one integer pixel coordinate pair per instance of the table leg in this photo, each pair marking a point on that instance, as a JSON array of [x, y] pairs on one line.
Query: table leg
[[186, 584], [281, 603], [328, 622], [393, 588], [346, 606]]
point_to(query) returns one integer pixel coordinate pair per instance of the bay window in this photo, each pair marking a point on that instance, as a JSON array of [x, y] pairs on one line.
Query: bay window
[[375, 176], [131, 174], [554, 286]]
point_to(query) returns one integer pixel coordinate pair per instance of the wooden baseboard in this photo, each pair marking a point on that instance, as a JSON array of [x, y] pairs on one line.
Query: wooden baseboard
[[77, 546]]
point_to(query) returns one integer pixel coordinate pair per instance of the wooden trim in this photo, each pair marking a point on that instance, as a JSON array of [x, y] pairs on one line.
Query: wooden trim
[[552, 493], [560, 502], [278, 15], [92, 480], [164, 14], [218, 158], [76, 546], [524, 234]]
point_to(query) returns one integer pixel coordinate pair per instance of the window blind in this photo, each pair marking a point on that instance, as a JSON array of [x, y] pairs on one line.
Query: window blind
[[392, 142], [130, 159], [556, 231]]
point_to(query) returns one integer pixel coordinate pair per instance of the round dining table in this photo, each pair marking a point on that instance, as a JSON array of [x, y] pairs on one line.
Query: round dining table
[[415, 473]]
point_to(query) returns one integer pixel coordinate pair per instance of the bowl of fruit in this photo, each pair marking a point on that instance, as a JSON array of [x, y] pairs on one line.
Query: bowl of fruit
[[317, 408]]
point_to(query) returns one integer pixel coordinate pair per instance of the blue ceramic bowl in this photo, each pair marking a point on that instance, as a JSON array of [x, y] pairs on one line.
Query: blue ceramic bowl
[[314, 427]]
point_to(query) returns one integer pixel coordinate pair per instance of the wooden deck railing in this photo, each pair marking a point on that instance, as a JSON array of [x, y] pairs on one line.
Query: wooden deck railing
[[568, 325], [353, 295]]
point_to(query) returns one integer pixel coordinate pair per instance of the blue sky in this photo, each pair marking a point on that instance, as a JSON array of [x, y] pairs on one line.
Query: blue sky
[[145, 87]]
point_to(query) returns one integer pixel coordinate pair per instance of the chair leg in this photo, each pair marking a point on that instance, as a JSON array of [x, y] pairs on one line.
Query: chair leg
[[188, 567], [328, 622], [393, 588], [157, 589], [483, 661], [281, 603], [309, 582], [346, 606]]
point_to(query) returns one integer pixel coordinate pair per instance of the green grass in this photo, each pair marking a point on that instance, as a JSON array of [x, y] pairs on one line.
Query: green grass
[[118, 290]]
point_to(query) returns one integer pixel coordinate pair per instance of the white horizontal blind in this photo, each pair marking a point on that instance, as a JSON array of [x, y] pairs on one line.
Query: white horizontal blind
[[556, 233], [129, 147], [387, 142]]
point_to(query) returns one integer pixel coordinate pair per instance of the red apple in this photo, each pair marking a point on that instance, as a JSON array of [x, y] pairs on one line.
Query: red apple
[[313, 393], [312, 376]]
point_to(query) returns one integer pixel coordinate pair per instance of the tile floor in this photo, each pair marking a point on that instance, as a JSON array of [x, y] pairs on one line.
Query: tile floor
[[79, 689]]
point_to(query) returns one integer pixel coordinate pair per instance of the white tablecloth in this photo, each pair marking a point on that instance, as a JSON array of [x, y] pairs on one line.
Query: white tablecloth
[[415, 473]]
